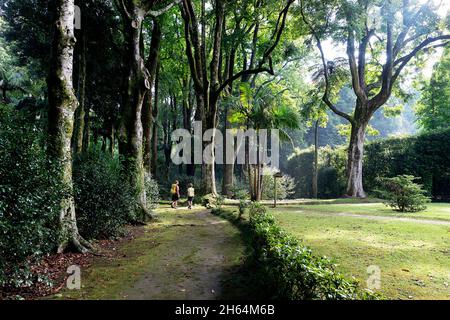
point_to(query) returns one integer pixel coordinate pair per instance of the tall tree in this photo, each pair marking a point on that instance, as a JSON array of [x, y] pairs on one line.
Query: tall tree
[[147, 110], [62, 105], [433, 110], [381, 38], [207, 74], [136, 84]]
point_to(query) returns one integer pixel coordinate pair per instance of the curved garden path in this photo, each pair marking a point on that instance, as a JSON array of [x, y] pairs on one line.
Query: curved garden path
[[183, 255]]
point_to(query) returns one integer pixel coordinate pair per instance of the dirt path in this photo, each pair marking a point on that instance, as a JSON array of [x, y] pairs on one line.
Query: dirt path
[[193, 264], [183, 255], [379, 218]]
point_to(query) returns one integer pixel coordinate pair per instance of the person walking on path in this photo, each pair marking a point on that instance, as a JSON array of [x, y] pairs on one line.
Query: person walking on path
[[175, 191], [191, 195]]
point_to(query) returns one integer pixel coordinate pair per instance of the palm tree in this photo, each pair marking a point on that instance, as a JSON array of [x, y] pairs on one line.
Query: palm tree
[[267, 107]]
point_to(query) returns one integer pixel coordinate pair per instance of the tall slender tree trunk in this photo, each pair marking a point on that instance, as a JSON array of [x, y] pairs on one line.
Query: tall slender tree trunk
[[154, 157], [228, 168], [316, 160], [80, 112], [112, 139], [86, 130], [355, 160], [136, 86], [147, 111], [62, 105]]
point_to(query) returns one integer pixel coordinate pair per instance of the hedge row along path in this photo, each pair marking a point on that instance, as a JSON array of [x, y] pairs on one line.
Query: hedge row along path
[[184, 255]]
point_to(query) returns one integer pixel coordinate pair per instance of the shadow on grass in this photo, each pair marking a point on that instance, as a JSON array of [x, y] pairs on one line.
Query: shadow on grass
[[242, 282]]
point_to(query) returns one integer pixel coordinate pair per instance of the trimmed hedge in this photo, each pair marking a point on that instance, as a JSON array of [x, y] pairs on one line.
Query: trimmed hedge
[[426, 156], [286, 269]]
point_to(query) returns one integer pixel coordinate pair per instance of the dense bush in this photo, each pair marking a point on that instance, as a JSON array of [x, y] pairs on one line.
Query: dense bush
[[289, 270], [426, 156], [29, 198], [285, 187], [104, 200], [239, 191], [152, 191], [402, 194]]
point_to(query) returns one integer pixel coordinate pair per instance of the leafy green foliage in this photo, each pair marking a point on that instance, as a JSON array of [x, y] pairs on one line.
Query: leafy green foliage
[[152, 192], [425, 156], [285, 187], [103, 198], [402, 194], [289, 270], [29, 199], [331, 174], [433, 111]]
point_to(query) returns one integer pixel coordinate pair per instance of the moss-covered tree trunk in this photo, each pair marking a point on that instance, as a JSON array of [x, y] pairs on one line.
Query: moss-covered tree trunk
[[62, 105], [147, 112], [136, 84], [355, 160], [80, 111]]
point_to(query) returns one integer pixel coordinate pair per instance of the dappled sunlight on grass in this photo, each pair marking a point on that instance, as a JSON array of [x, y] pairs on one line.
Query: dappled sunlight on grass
[[414, 258], [434, 211]]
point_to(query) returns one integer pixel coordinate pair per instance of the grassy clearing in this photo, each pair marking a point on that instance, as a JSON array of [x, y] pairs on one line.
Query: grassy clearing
[[414, 258], [434, 211]]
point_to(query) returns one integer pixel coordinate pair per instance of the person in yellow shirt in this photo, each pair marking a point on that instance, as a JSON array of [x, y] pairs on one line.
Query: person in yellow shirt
[[175, 191]]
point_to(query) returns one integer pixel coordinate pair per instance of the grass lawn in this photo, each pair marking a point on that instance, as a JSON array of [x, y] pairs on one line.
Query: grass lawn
[[435, 211], [414, 258]]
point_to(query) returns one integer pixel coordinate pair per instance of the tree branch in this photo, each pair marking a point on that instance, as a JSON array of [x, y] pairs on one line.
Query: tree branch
[[157, 13], [325, 97], [403, 61]]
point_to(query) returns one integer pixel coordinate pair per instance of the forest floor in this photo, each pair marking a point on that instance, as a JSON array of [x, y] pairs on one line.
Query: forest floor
[[412, 250], [185, 254]]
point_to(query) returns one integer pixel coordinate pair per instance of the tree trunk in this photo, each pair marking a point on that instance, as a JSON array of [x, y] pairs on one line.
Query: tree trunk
[[187, 123], [152, 64], [62, 105], [154, 158], [316, 159], [228, 168], [112, 140], [209, 179], [136, 86], [80, 112], [355, 160], [87, 130]]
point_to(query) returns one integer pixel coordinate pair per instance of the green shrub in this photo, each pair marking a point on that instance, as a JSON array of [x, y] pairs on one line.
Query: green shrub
[[285, 187], [243, 206], [402, 194], [288, 270], [220, 200], [103, 198], [256, 210], [239, 191], [30, 196], [152, 191]]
